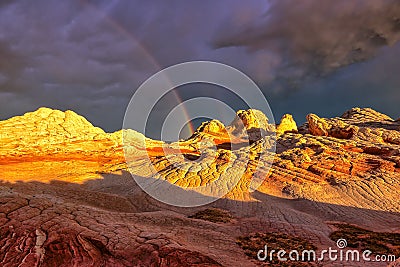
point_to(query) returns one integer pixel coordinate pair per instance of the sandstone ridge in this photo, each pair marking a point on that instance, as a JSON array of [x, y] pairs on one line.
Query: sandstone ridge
[[310, 160], [67, 198]]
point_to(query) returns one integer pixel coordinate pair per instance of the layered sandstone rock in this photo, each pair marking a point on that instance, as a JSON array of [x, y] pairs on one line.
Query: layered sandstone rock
[[286, 125], [250, 119], [212, 127], [66, 196], [47, 126], [342, 150]]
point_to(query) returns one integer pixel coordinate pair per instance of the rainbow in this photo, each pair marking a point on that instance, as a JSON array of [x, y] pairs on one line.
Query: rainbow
[[126, 33]]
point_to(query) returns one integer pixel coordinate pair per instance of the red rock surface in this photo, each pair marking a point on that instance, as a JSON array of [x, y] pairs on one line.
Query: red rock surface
[[66, 198]]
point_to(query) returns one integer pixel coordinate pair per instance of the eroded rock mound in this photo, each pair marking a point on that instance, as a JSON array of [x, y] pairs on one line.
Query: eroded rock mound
[[252, 123], [212, 127], [365, 115], [56, 125], [334, 128], [287, 125], [249, 119]]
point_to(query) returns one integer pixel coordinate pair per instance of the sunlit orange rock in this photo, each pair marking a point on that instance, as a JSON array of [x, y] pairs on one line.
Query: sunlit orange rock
[[286, 125], [66, 195]]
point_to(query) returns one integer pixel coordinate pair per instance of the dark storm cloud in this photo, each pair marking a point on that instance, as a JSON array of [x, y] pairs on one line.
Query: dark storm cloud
[[90, 56], [10, 63], [315, 37], [67, 55], [374, 83]]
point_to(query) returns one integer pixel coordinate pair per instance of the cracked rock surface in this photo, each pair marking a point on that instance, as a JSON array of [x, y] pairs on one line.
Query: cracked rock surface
[[67, 197]]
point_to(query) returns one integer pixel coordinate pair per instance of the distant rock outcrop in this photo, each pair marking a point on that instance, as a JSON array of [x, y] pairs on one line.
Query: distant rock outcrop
[[287, 125], [365, 115], [250, 119], [212, 127], [335, 128], [251, 124], [55, 125]]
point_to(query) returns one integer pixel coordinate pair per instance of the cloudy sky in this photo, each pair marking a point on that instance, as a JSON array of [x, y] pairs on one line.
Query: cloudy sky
[[307, 56]]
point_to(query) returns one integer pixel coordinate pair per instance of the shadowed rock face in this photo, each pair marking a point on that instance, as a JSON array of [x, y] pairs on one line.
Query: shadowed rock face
[[66, 197], [37, 232]]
